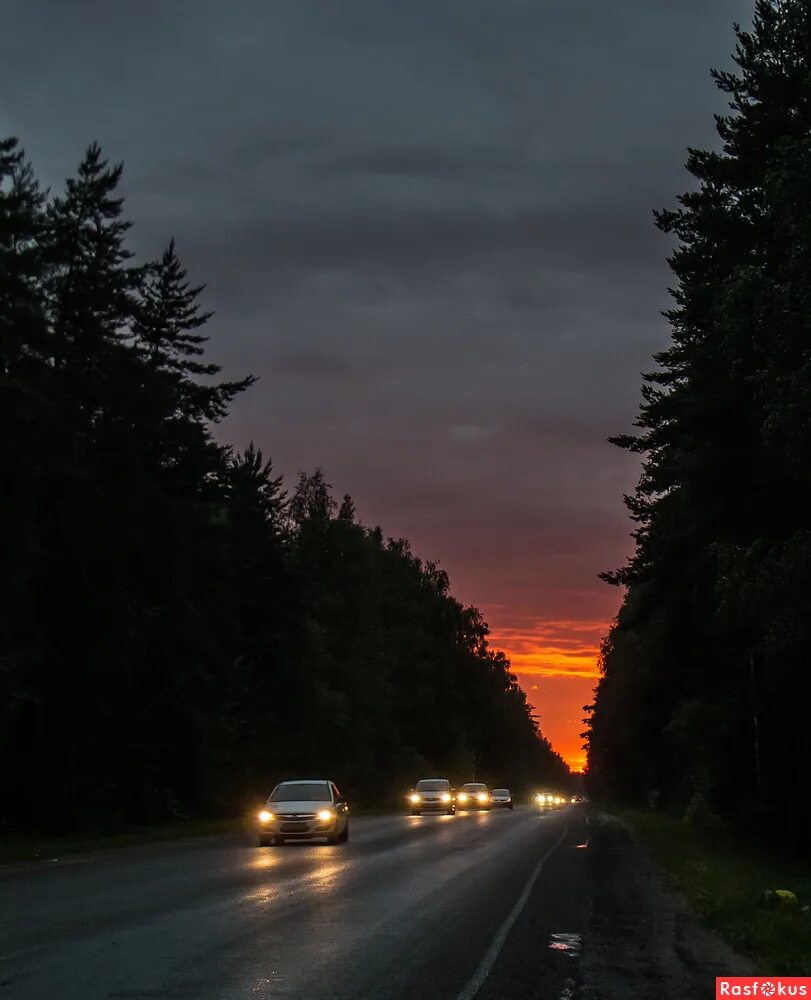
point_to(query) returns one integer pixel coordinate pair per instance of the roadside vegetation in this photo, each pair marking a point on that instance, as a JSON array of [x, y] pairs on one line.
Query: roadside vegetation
[[178, 627], [735, 885], [45, 849], [704, 671]]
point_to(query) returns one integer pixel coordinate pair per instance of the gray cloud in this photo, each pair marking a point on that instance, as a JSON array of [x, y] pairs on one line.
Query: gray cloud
[[425, 226]]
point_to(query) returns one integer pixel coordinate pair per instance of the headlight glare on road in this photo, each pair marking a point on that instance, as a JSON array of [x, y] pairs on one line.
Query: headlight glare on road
[[265, 816], [446, 797], [325, 814], [414, 798]]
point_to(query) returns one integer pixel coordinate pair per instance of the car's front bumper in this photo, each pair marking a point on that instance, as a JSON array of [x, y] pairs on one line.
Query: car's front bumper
[[299, 828], [431, 805]]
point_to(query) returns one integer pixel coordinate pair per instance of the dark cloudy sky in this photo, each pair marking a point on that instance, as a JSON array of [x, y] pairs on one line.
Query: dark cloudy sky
[[426, 226]]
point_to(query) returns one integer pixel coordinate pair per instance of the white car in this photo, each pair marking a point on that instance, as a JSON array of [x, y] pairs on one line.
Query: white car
[[302, 810], [432, 795], [502, 798]]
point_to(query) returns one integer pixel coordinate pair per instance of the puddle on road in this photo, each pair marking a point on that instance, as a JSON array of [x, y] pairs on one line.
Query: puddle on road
[[569, 944], [566, 944]]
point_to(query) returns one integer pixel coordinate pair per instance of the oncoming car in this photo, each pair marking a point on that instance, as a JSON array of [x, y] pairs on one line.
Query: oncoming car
[[302, 810], [502, 798], [473, 795], [432, 795]]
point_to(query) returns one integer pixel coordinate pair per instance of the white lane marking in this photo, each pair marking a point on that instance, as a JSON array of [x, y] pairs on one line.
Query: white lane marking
[[474, 984]]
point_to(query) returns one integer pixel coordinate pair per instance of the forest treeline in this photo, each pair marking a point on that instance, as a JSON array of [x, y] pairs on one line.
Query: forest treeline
[[178, 630], [702, 705]]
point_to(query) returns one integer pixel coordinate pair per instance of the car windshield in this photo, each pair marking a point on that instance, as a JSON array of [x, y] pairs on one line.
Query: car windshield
[[501, 791], [301, 791], [432, 785], [473, 788]]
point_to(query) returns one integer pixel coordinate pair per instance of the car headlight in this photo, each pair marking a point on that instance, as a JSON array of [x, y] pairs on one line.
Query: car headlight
[[446, 797], [548, 798], [463, 797], [414, 798], [539, 797], [482, 797], [325, 814], [265, 816]]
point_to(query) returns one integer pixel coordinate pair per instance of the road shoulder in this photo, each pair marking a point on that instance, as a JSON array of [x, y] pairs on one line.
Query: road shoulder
[[642, 940]]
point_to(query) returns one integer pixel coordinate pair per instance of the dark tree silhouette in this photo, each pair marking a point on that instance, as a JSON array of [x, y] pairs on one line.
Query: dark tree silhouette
[[704, 665], [175, 632]]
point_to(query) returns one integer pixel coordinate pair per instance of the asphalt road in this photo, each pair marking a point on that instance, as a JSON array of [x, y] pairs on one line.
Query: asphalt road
[[484, 905]]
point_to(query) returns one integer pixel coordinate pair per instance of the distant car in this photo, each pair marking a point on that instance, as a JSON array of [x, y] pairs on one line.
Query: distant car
[[548, 800], [302, 810], [502, 798], [432, 795], [473, 795]]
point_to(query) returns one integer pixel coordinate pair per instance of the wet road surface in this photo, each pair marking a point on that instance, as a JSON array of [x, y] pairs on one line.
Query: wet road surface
[[484, 905]]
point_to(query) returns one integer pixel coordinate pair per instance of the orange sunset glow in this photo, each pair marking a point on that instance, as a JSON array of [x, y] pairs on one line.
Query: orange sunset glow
[[556, 664]]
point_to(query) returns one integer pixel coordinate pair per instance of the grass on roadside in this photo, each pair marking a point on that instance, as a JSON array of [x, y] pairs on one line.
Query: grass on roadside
[[31, 847], [725, 882]]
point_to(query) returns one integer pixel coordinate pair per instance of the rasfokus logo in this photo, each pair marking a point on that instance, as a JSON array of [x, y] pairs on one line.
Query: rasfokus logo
[[762, 986]]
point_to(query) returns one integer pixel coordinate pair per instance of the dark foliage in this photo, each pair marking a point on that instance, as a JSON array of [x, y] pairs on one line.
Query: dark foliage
[[175, 631], [702, 699]]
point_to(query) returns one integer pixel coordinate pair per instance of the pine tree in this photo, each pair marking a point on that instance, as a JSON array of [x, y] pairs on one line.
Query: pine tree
[[175, 405], [724, 498], [90, 284], [256, 492], [704, 418], [170, 626], [346, 512], [26, 443], [89, 293], [23, 334], [166, 327]]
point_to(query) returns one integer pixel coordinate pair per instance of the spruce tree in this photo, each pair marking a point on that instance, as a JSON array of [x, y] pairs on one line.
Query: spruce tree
[[692, 664], [90, 286], [346, 512], [177, 405], [166, 327], [26, 445], [23, 334]]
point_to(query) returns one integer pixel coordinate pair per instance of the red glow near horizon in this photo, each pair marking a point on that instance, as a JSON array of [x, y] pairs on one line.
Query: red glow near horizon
[[556, 664]]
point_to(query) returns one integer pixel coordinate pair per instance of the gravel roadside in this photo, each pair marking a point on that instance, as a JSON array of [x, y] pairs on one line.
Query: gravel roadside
[[641, 941]]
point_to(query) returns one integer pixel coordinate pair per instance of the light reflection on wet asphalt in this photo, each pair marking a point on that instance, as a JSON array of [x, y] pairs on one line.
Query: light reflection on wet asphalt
[[409, 901]]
